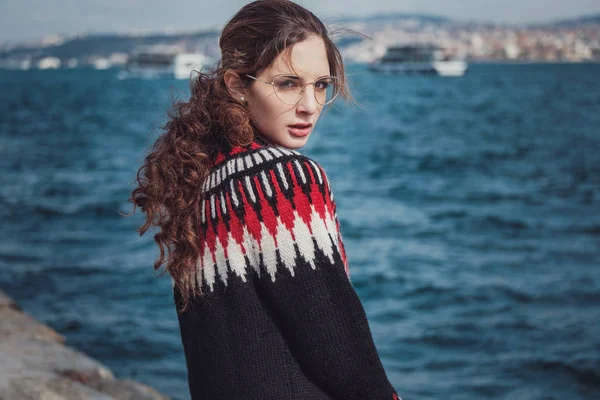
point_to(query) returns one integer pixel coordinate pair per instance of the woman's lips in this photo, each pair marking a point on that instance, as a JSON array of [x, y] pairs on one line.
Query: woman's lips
[[299, 130]]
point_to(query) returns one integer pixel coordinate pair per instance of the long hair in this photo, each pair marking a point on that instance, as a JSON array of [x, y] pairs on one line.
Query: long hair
[[170, 180]]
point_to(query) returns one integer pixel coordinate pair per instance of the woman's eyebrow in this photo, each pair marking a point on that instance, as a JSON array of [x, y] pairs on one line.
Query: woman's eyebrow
[[280, 72], [292, 74]]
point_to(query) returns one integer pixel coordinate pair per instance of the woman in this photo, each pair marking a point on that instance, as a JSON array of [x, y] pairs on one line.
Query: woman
[[260, 276]]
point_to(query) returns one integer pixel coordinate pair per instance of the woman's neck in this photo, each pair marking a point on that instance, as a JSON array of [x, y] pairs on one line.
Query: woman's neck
[[261, 139]]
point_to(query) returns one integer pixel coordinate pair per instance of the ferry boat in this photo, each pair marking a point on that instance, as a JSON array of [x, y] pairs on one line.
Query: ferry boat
[[418, 59], [163, 64]]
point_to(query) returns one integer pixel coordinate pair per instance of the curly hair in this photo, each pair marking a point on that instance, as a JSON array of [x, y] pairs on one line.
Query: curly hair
[[170, 180]]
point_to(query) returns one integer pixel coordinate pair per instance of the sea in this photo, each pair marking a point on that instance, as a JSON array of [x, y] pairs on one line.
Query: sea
[[469, 209]]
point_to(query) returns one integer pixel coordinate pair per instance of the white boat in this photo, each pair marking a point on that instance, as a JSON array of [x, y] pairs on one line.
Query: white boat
[[49, 63], [102, 63], [161, 64], [450, 67], [418, 59], [185, 63]]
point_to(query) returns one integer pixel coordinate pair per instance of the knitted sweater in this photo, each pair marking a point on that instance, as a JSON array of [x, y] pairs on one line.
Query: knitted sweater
[[279, 317]]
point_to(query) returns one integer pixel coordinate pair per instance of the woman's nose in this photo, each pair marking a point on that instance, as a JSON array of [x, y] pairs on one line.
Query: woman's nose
[[308, 102]]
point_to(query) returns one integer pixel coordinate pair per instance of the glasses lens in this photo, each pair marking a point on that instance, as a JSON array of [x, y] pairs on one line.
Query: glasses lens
[[326, 89], [288, 88]]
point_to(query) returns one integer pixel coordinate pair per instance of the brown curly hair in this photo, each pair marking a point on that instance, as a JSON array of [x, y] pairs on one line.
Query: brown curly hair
[[170, 180]]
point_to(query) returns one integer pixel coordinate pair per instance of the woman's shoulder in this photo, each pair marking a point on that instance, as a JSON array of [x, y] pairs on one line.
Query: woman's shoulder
[[267, 199], [259, 159]]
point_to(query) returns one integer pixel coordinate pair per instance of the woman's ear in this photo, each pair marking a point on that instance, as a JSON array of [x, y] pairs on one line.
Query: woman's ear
[[235, 86]]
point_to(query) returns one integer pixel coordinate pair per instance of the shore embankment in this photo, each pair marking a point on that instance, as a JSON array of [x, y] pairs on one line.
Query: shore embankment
[[36, 363]]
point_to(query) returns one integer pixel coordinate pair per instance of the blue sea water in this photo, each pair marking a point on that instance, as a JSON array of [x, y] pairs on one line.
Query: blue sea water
[[470, 210]]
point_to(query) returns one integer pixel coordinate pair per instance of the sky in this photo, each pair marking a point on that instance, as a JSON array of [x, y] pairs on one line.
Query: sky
[[22, 20]]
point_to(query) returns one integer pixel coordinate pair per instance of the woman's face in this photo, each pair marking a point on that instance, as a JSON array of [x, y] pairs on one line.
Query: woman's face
[[271, 116]]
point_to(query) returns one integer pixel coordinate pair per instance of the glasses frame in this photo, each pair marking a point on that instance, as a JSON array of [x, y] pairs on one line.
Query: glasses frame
[[272, 83]]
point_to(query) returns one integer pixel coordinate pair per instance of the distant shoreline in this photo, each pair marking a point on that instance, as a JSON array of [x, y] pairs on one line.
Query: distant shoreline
[[477, 62]]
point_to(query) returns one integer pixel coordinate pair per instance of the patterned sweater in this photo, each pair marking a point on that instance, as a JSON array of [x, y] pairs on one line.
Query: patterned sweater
[[279, 317]]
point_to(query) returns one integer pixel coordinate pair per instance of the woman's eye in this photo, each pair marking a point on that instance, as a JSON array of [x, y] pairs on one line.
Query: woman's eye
[[287, 84], [322, 84]]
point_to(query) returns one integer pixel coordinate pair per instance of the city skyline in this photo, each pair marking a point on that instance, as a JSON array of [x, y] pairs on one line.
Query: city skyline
[[34, 19]]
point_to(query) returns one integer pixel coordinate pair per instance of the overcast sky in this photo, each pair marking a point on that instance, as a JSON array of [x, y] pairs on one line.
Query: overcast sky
[[31, 19]]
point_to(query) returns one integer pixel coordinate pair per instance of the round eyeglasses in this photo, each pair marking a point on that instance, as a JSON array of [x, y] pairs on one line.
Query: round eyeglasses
[[290, 88]]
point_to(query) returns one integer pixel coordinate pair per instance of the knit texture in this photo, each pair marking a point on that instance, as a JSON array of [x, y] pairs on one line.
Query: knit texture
[[279, 317]]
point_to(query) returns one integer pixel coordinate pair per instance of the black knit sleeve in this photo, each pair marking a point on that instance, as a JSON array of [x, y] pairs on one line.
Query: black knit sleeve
[[308, 289]]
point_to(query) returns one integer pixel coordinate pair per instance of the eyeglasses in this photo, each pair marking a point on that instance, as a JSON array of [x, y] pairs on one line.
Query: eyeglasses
[[290, 88]]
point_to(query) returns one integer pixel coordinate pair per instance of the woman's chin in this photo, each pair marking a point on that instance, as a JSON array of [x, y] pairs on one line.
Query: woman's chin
[[296, 142]]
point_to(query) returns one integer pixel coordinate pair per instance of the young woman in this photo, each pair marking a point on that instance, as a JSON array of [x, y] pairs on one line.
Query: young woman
[[261, 282]]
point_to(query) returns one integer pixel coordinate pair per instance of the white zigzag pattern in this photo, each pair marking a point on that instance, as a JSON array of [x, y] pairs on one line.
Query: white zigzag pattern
[[324, 233], [211, 267]]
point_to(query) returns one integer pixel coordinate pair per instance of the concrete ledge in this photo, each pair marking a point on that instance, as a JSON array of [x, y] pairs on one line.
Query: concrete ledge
[[36, 364]]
